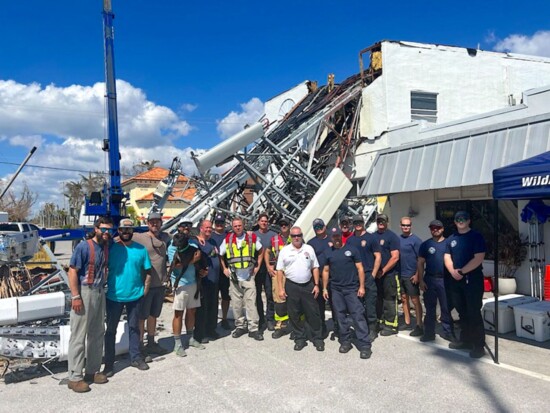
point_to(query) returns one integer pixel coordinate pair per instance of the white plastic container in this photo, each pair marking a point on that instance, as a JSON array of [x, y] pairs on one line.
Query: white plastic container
[[506, 322], [533, 321]]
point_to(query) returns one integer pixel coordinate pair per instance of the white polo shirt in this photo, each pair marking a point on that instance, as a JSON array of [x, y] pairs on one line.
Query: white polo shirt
[[297, 263]]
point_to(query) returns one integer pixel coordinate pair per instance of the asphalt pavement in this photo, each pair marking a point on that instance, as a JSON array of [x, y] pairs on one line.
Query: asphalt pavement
[[243, 375]]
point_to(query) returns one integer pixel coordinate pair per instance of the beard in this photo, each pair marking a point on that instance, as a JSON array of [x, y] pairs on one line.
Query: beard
[[126, 237]]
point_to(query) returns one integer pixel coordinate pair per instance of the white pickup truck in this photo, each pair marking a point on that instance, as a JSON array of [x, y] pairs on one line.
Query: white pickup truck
[[18, 241]]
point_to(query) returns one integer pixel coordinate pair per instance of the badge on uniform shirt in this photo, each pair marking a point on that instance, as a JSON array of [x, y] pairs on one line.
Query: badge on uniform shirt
[[306, 254], [453, 243], [347, 253], [364, 243], [382, 242], [431, 250]]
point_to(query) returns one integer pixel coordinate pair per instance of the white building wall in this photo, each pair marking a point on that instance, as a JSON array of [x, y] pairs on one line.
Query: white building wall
[[422, 206]]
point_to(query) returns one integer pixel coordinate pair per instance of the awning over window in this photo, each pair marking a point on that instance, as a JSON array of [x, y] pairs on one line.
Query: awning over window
[[458, 159]]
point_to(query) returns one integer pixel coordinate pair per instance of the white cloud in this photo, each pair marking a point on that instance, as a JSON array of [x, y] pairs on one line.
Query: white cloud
[[536, 45], [251, 112], [188, 107], [26, 141], [79, 111]]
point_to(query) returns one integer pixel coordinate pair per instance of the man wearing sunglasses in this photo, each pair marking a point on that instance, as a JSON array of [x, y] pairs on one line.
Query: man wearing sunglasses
[[271, 254], [371, 257], [218, 235], [297, 263], [463, 259], [263, 277], [408, 259], [432, 274], [156, 242], [129, 280], [87, 276]]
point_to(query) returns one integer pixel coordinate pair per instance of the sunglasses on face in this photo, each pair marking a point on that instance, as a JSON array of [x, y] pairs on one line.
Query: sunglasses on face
[[460, 220], [318, 227], [108, 230], [358, 222], [284, 225], [435, 228], [296, 235], [406, 225]]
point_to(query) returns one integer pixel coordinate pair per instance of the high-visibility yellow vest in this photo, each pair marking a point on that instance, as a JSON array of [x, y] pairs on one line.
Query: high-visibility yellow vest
[[241, 257], [277, 244]]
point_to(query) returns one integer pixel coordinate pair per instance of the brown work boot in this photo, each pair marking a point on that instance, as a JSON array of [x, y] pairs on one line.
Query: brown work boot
[[98, 378], [78, 386]]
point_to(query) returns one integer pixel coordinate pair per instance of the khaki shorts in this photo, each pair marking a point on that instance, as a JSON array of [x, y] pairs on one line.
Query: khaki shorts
[[185, 297]]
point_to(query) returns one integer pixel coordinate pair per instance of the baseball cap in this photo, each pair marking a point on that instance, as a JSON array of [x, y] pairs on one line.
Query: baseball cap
[[154, 215], [344, 219], [284, 221], [185, 224], [318, 221], [382, 217], [462, 214], [335, 231], [219, 218], [358, 218], [436, 223], [126, 223]]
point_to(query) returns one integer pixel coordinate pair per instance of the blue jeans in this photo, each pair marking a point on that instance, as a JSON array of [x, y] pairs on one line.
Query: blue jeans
[[436, 291], [344, 302], [114, 311]]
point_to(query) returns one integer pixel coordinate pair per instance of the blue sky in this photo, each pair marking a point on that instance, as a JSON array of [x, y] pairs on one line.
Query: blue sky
[[185, 66]]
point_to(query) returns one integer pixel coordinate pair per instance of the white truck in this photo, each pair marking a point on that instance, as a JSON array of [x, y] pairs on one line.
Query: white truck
[[19, 241]]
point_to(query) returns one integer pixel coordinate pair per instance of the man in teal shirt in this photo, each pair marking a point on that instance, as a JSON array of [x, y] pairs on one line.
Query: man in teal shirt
[[128, 282]]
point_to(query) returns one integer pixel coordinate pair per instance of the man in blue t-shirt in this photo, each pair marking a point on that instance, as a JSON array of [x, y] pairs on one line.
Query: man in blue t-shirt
[[371, 258], [128, 281], [347, 286], [387, 279], [463, 259], [219, 235], [432, 282], [409, 244]]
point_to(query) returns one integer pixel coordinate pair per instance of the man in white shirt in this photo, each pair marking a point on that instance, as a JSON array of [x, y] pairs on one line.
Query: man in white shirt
[[241, 250], [298, 263]]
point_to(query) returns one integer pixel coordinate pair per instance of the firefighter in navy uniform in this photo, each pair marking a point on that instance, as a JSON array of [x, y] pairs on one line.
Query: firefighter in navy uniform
[[270, 258], [387, 279], [463, 259]]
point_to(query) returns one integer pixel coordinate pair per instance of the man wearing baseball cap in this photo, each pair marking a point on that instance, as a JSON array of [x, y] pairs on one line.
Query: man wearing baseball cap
[[463, 259], [156, 243], [320, 243], [218, 235], [432, 274], [387, 279], [126, 287]]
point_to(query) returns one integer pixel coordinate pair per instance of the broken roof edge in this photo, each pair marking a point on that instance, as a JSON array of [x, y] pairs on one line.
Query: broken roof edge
[[453, 48]]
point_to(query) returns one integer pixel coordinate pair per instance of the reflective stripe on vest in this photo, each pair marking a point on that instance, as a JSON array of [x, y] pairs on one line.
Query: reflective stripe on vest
[[240, 257], [277, 245]]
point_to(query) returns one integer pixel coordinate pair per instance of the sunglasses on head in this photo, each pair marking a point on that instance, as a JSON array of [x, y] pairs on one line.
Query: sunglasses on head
[[104, 230]]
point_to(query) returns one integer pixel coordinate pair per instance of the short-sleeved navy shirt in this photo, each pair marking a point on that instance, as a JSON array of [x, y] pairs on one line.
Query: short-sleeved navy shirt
[[463, 247], [342, 269], [433, 252], [367, 245], [388, 242], [212, 253], [408, 254], [218, 237], [320, 245]]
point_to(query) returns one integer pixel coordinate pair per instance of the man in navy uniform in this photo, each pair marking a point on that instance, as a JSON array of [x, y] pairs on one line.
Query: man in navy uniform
[[432, 282], [387, 279], [463, 259], [371, 258], [347, 285]]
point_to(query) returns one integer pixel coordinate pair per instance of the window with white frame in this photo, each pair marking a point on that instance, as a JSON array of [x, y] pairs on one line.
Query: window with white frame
[[424, 106]]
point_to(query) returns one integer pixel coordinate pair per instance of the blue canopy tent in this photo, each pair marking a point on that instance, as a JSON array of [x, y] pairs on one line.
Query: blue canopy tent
[[528, 180]]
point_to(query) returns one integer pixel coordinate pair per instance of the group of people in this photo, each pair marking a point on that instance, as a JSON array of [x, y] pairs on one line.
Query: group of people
[[361, 276]]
